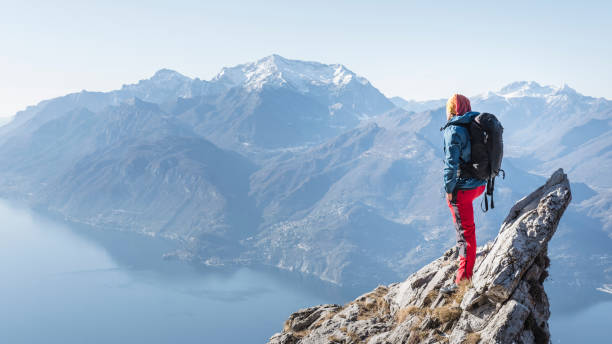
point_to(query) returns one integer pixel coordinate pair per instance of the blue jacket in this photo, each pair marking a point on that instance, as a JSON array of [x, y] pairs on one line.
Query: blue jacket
[[457, 151]]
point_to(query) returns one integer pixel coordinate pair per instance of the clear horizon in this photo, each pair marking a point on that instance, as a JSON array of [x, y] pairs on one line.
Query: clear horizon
[[68, 46]]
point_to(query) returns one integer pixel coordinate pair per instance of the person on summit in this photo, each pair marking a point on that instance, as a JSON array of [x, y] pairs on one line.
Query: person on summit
[[461, 189]]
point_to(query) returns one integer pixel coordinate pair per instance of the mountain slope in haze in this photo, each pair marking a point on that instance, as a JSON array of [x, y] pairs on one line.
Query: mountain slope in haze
[[416, 105], [116, 161], [556, 126], [44, 149], [164, 86], [280, 103], [5, 120], [543, 124], [131, 167], [529, 110], [199, 189], [298, 165], [271, 103]]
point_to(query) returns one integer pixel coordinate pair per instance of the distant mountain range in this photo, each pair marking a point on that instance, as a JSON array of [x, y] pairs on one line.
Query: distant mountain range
[[303, 166], [418, 106]]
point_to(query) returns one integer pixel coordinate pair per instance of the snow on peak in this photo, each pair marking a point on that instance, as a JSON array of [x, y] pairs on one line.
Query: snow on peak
[[275, 70], [526, 89], [164, 84], [165, 75], [529, 89], [565, 89]]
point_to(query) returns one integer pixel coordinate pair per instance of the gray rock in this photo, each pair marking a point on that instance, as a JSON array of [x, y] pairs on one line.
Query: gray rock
[[507, 323], [525, 232], [506, 302]]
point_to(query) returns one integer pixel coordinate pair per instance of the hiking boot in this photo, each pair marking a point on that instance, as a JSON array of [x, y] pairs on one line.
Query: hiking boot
[[449, 289]]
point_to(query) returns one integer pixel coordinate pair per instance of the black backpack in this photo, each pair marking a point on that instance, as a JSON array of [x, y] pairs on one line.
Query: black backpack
[[487, 152]]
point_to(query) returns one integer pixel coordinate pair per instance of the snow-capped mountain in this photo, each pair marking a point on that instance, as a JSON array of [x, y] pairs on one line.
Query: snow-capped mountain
[[280, 103], [165, 85], [276, 71], [526, 89], [332, 84], [300, 165], [548, 125], [271, 103]]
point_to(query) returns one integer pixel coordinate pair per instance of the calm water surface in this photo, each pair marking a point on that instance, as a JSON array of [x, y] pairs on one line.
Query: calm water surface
[[64, 285], [591, 325]]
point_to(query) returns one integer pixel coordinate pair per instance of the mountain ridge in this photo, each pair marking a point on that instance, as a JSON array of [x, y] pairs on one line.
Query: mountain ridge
[[515, 89], [330, 189]]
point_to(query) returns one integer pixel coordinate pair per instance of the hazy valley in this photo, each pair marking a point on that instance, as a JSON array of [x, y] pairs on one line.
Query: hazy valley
[[305, 167]]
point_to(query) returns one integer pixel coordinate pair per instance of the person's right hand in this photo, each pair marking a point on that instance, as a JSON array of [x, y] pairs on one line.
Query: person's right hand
[[449, 197]]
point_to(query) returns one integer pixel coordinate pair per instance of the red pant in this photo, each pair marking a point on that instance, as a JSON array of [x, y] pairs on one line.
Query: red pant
[[463, 216]]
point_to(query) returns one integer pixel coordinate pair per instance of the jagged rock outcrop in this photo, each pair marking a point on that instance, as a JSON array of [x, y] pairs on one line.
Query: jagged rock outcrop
[[506, 302]]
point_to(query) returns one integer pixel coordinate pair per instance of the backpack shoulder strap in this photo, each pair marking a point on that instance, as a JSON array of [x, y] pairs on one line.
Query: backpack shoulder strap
[[465, 125]]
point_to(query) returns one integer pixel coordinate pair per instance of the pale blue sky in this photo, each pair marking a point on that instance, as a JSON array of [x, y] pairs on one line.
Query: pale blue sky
[[411, 49]]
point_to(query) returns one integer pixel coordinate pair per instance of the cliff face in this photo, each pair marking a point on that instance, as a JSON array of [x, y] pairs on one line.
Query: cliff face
[[505, 303]]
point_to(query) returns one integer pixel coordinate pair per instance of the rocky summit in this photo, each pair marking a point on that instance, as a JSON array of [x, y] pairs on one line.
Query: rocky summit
[[504, 303]]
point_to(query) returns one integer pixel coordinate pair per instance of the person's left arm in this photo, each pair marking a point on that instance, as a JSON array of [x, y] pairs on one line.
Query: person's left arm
[[452, 150]]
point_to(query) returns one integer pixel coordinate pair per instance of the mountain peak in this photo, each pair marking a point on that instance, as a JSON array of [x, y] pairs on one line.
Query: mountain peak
[[164, 85], [533, 89], [275, 70], [565, 89], [165, 74], [274, 58], [525, 89]]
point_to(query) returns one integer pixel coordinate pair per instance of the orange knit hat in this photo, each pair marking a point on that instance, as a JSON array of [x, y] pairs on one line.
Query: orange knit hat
[[457, 105]]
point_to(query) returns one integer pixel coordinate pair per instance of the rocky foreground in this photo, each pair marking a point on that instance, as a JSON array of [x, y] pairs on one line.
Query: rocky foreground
[[505, 303]]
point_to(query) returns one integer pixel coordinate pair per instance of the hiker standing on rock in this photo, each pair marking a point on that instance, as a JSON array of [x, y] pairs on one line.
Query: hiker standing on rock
[[461, 188]]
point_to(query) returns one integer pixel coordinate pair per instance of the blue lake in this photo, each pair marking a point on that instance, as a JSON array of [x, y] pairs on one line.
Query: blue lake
[[63, 286], [590, 325], [66, 285]]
